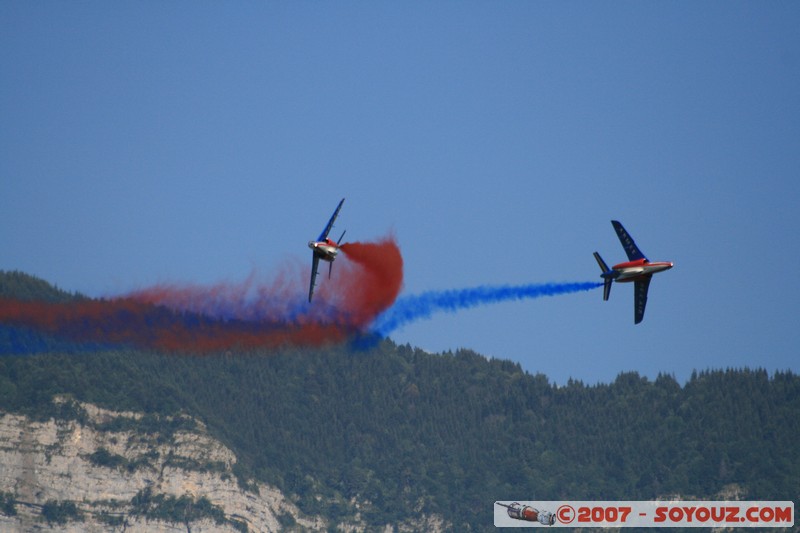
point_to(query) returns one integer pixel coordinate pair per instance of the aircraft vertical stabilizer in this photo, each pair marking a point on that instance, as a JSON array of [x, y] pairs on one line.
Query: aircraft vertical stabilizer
[[607, 277]]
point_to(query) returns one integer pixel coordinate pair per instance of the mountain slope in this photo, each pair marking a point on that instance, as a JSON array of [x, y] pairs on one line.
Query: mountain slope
[[382, 435], [101, 469]]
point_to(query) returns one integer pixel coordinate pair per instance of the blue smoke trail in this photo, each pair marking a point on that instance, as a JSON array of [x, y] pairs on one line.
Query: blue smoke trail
[[409, 309]]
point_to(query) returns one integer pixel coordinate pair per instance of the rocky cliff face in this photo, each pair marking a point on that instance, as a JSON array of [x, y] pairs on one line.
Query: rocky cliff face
[[114, 471]]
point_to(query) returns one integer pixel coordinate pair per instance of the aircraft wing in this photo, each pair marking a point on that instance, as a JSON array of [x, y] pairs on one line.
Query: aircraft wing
[[324, 234], [631, 249], [314, 266], [640, 297]]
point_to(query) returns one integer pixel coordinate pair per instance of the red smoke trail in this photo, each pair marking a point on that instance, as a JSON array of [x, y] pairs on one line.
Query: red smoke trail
[[250, 314], [368, 293]]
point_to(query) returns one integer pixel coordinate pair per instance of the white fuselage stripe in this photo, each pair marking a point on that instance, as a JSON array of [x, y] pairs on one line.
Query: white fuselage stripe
[[627, 274]]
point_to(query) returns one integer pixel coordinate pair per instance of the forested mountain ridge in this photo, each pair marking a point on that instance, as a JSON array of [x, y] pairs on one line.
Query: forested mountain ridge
[[22, 286], [391, 432]]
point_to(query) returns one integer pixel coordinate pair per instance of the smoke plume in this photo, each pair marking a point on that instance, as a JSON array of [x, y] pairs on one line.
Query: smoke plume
[[250, 314], [409, 309], [360, 297]]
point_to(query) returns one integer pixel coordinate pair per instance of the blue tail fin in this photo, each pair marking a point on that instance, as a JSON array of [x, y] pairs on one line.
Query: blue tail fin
[[606, 275]]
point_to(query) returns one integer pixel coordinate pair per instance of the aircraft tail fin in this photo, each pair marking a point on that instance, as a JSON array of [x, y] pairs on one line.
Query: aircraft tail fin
[[607, 280], [603, 265], [606, 288]]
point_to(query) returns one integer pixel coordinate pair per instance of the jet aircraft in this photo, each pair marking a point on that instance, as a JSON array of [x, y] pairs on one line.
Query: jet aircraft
[[638, 269], [325, 249]]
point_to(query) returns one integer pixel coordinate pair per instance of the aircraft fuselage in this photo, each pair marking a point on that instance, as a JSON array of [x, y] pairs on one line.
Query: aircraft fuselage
[[633, 270], [325, 250]]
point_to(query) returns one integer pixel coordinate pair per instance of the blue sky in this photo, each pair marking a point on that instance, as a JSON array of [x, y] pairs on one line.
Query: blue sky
[[196, 141]]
